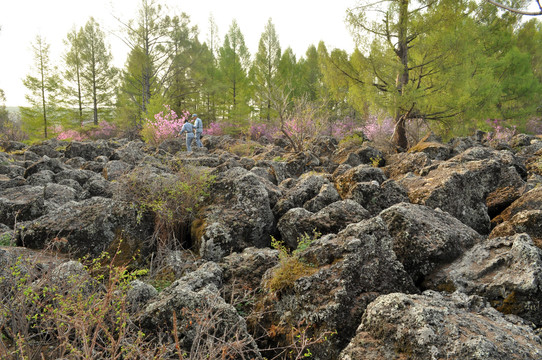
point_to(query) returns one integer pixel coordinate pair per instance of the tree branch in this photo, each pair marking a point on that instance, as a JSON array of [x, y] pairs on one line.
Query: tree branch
[[518, 11]]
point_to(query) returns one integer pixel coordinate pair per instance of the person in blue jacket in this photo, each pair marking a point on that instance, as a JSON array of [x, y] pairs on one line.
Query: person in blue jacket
[[188, 128], [198, 124]]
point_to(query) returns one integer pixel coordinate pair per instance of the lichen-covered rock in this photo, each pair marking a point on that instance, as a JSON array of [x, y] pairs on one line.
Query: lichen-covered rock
[[434, 150], [424, 239], [45, 163], [439, 326], [132, 153], [139, 295], [298, 222], [115, 169], [327, 195], [88, 227], [376, 197], [239, 216], [349, 271], [458, 188], [528, 221], [531, 200], [21, 203], [507, 271], [89, 150], [242, 273], [204, 320], [359, 174], [304, 190], [400, 164]]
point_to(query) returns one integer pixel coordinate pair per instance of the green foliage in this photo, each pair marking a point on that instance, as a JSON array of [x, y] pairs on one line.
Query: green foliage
[[172, 199], [82, 313], [351, 141], [291, 265], [6, 239]]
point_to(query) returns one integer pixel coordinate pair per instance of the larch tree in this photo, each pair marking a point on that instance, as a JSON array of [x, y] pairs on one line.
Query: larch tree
[[233, 64], [99, 77], [44, 86], [265, 68], [72, 74]]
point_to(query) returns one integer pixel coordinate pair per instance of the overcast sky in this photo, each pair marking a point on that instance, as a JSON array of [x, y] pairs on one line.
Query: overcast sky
[[299, 23]]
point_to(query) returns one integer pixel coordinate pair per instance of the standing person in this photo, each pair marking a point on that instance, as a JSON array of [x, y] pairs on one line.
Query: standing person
[[188, 128], [198, 124]]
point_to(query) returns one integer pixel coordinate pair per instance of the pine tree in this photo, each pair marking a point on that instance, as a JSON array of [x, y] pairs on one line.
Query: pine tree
[[72, 74]]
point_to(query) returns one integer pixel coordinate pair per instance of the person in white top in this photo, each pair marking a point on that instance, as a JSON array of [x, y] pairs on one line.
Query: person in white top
[[198, 124]]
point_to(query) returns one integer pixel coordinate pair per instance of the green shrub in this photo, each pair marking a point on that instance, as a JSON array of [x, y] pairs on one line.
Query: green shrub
[[171, 198], [291, 265]]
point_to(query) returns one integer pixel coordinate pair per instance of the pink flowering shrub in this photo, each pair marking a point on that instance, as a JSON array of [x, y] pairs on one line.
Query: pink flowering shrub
[[165, 125], [263, 131], [214, 128], [345, 128], [500, 132], [70, 134], [375, 130], [103, 130], [534, 126]]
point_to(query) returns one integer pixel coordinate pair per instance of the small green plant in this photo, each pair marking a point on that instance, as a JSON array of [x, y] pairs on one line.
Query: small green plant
[[291, 265], [279, 159], [375, 161], [6, 240], [351, 141]]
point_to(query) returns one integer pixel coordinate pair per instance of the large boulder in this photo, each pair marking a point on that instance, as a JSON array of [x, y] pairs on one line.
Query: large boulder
[[21, 203], [204, 320], [88, 150], [440, 326], [45, 163], [305, 189], [424, 239], [298, 222], [462, 184], [507, 271], [376, 197], [239, 216], [528, 221], [531, 200], [359, 174], [345, 272], [89, 227]]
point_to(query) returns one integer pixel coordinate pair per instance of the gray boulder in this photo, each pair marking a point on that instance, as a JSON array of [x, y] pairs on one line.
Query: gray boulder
[[440, 326], [306, 188], [345, 272], [88, 150], [205, 322], [527, 221], [327, 195], [55, 165], [21, 203], [376, 197], [507, 271], [424, 239], [298, 222], [89, 227], [239, 216]]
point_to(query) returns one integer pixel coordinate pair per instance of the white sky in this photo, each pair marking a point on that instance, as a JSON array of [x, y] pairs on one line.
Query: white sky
[[299, 23]]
